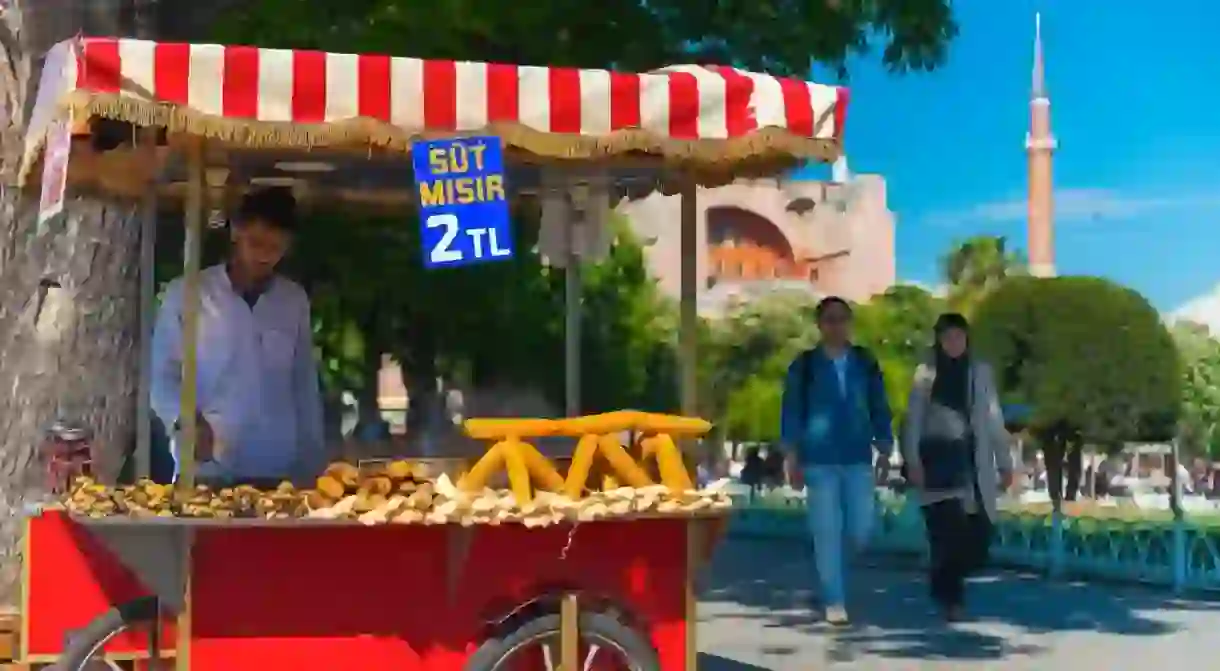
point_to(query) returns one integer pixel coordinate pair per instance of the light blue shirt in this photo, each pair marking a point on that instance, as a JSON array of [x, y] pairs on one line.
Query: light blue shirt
[[257, 383], [840, 364]]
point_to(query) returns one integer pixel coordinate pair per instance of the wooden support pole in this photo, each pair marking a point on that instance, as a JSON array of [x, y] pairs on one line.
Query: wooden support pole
[[569, 633], [688, 335], [573, 317], [182, 647], [192, 251], [148, 309], [688, 329]]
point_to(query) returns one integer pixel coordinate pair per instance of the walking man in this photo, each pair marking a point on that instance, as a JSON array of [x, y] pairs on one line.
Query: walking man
[[834, 413]]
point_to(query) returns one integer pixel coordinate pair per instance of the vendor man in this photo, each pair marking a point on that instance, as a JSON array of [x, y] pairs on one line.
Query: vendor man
[[259, 406]]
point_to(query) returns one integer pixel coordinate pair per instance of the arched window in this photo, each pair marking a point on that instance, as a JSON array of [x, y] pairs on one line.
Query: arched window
[[739, 226]]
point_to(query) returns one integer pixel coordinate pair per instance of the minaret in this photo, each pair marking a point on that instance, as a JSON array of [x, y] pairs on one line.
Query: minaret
[[1040, 145]]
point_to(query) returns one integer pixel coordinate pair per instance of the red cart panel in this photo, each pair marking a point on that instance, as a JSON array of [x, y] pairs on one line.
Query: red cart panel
[[349, 597], [380, 597], [71, 578]]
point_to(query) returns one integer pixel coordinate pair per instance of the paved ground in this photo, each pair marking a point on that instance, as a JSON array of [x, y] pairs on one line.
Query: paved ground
[[752, 617]]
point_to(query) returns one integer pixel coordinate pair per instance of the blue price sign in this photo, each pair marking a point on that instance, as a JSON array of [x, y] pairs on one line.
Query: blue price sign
[[463, 209]]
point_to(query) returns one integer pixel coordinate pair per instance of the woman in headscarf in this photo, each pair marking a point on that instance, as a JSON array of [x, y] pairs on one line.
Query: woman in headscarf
[[957, 457]]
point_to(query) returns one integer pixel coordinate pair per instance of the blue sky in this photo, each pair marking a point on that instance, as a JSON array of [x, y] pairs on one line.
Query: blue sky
[[1135, 105]]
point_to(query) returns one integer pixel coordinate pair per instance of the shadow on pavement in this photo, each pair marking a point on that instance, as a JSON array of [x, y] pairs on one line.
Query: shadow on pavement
[[892, 618], [709, 662]]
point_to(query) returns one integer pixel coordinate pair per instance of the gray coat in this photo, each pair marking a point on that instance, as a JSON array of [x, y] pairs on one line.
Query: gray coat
[[992, 441]]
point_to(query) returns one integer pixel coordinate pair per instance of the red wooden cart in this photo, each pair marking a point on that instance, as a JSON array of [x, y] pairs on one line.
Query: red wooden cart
[[284, 594], [281, 595]]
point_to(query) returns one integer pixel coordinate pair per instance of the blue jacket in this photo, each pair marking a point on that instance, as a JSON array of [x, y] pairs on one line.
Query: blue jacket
[[828, 426]]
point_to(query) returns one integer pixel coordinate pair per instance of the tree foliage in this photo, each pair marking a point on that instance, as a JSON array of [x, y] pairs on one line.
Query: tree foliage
[[779, 37], [1091, 358], [629, 360], [753, 409], [757, 341], [1200, 424], [897, 327], [975, 267], [743, 358]]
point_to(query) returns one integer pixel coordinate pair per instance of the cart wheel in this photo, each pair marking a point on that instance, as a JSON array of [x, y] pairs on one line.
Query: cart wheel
[[606, 644], [83, 652]]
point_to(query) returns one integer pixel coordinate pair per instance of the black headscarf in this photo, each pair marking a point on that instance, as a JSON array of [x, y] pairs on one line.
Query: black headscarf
[[951, 386]]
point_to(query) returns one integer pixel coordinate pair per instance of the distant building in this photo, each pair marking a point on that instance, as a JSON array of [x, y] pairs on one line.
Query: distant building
[[761, 236]]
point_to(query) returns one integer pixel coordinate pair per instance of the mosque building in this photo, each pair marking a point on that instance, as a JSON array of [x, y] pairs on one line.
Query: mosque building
[[760, 236]]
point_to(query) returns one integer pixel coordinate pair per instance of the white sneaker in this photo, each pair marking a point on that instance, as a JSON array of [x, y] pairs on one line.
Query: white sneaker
[[837, 615]]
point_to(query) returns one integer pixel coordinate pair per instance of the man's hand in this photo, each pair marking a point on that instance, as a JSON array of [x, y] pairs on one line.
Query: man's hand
[[915, 475], [205, 439]]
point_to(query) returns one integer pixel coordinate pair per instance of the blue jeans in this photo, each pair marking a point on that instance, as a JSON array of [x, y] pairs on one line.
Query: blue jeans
[[839, 503]]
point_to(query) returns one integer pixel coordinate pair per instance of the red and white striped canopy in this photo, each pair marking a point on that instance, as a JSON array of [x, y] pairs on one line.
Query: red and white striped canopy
[[209, 88]]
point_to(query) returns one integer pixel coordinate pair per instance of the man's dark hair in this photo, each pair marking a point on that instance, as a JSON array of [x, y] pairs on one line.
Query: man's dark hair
[[828, 302], [274, 206], [951, 320]]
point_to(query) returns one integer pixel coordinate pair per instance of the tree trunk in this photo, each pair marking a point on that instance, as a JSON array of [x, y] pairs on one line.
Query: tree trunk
[[69, 321], [1075, 466], [419, 373], [368, 397], [1053, 452]]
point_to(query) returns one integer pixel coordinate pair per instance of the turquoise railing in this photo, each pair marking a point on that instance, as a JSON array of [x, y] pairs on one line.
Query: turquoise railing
[[1180, 554]]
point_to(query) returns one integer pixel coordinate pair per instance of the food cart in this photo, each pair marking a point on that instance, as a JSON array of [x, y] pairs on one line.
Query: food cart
[[397, 568]]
